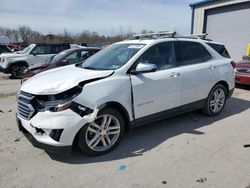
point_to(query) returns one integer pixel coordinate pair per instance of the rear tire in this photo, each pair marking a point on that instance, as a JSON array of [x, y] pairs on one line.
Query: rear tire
[[103, 134], [17, 71], [216, 100]]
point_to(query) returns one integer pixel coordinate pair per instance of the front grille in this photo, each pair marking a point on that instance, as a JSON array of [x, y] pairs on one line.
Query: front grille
[[246, 71], [25, 108]]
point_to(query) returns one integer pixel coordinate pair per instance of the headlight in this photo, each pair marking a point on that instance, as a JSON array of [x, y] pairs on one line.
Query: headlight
[[2, 59], [55, 106], [58, 102]]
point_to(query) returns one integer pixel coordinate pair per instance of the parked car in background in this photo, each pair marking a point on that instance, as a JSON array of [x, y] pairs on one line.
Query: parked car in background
[[245, 59], [242, 75], [66, 57], [127, 84], [4, 49], [16, 63]]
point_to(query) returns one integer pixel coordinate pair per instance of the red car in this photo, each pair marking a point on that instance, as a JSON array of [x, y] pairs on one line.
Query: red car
[[242, 75], [66, 57]]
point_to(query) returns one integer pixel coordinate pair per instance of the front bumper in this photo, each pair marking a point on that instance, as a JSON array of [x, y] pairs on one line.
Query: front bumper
[[3, 69], [64, 150], [67, 120]]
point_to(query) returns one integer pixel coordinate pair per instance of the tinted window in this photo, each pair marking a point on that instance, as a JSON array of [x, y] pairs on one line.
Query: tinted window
[[220, 49], [161, 55], [56, 48], [190, 53], [4, 49], [85, 55], [44, 49]]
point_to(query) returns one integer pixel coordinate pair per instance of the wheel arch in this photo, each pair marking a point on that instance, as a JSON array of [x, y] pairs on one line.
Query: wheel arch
[[117, 106], [17, 63], [121, 109], [225, 84]]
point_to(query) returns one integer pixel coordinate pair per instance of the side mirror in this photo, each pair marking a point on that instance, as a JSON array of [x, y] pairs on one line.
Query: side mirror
[[144, 68], [33, 53]]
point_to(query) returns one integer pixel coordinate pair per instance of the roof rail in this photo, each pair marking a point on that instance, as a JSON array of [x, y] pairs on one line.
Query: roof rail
[[200, 35], [161, 34]]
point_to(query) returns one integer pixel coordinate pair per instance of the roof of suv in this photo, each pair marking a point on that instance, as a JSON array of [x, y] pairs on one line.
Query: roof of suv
[[150, 41], [149, 38]]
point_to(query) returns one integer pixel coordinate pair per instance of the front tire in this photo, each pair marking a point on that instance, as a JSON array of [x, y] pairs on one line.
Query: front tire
[[216, 100], [103, 134], [17, 71]]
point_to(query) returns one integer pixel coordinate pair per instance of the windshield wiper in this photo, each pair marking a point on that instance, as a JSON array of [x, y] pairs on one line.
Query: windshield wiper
[[96, 68], [90, 68]]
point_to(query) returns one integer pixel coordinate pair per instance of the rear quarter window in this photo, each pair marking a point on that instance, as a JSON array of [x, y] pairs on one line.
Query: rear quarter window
[[221, 49]]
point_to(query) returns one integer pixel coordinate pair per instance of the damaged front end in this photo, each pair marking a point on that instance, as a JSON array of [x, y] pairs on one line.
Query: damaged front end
[[52, 120]]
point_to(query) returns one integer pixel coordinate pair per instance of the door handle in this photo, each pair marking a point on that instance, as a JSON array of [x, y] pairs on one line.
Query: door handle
[[212, 67], [175, 74]]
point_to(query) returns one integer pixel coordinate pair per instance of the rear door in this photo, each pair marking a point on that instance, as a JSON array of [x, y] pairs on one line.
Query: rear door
[[197, 68], [160, 90]]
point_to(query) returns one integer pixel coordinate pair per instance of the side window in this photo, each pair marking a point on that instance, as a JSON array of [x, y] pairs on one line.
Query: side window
[[73, 58], [190, 53], [85, 55], [39, 50], [162, 55]]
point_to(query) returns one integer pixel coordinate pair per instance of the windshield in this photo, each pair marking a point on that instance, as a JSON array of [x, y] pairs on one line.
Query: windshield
[[25, 50], [58, 56], [112, 57]]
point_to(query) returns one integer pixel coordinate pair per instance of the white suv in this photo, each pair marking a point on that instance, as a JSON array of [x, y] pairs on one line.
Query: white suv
[[15, 63], [128, 84]]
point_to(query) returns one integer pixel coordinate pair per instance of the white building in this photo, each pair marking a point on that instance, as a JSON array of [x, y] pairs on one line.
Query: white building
[[226, 21]]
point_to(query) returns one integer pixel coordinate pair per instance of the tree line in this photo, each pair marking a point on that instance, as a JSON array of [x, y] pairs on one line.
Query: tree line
[[24, 34]]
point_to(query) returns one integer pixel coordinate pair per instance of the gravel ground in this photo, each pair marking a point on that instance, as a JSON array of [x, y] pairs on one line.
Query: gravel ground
[[190, 150]]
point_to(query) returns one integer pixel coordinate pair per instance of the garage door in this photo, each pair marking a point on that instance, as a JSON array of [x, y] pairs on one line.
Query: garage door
[[231, 26]]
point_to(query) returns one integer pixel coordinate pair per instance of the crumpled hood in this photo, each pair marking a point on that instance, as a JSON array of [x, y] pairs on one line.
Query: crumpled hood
[[39, 65], [12, 55], [60, 79]]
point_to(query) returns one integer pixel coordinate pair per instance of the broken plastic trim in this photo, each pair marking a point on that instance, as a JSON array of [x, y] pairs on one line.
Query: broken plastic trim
[[80, 110], [55, 134]]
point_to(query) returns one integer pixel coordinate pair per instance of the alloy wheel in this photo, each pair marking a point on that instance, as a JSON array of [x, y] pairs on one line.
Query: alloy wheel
[[217, 100], [103, 133]]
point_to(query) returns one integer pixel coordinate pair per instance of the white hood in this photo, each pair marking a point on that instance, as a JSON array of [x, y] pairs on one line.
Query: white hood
[[60, 79], [12, 55]]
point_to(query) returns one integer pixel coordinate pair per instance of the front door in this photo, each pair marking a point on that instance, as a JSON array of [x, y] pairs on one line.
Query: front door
[[160, 90], [40, 54]]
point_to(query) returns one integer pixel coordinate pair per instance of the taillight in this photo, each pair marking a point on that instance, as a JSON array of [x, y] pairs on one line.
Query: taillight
[[233, 64]]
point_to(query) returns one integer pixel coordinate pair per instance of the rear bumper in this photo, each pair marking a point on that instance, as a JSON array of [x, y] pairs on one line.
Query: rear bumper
[[62, 150], [242, 78]]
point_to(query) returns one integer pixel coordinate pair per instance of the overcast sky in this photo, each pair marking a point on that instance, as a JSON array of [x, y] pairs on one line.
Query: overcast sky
[[103, 16]]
